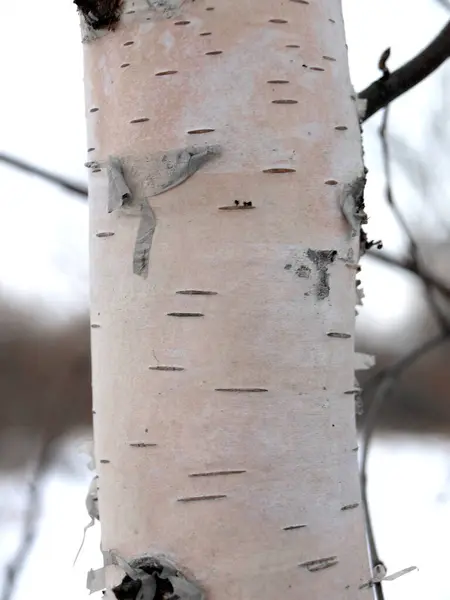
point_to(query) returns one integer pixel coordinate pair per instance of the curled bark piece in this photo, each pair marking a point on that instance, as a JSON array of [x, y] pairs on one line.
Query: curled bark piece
[[171, 168], [400, 573], [118, 191], [157, 174], [92, 509], [151, 577], [95, 580]]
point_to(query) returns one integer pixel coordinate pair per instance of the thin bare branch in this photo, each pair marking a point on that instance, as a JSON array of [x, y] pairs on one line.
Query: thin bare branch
[[387, 378], [70, 186], [413, 248], [30, 525], [411, 267], [383, 91], [385, 381], [388, 190]]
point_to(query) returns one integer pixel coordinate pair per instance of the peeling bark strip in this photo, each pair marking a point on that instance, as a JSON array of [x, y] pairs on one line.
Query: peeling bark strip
[[320, 563], [169, 169], [118, 190], [95, 580], [163, 171], [144, 238], [92, 499], [166, 170], [321, 259], [150, 578], [400, 573], [91, 504]]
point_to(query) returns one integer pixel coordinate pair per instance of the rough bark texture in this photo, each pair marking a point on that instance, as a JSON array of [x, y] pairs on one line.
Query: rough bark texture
[[225, 439]]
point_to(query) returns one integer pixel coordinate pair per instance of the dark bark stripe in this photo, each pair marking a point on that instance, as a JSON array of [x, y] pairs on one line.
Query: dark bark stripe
[[215, 473], [166, 368], [200, 498], [185, 314], [242, 390]]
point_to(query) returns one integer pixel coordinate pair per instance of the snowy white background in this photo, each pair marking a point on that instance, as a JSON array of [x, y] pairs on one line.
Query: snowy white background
[[43, 253]]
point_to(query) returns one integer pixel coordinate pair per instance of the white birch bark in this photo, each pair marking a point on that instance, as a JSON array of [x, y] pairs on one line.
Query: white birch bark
[[224, 436]]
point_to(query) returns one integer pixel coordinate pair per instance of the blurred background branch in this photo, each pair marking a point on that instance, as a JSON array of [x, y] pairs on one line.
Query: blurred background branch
[[60, 180]]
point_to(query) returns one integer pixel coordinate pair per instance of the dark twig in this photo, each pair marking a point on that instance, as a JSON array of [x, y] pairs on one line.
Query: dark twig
[[413, 248], [31, 519], [383, 91], [385, 381], [412, 267], [378, 567], [76, 188]]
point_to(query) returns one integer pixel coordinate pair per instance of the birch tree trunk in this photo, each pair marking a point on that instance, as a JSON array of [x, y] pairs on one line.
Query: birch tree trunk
[[223, 137]]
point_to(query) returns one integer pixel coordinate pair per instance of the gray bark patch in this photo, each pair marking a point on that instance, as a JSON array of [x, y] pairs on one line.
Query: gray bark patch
[[302, 271], [166, 8], [321, 259], [352, 203], [169, 169]]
